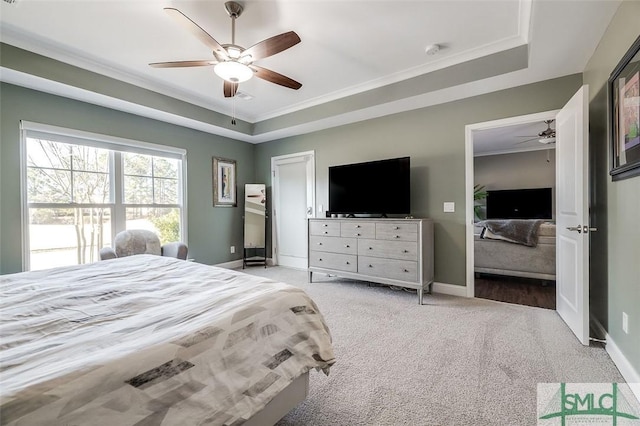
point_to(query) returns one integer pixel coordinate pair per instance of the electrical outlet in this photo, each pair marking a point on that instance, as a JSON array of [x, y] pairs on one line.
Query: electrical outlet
[[449, 207], [233, 249], [625, 322]]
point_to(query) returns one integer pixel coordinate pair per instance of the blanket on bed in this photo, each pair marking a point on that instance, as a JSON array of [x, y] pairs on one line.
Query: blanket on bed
[[518, 231], [151, 340]]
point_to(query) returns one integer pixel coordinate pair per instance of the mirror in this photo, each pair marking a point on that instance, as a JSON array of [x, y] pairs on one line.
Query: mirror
[[255, 224]]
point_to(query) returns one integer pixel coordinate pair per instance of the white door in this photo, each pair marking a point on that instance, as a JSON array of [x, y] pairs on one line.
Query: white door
[[572, 214], [293, 203]]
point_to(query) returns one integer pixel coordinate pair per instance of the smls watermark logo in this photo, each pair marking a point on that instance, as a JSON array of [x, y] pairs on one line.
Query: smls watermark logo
[[587, 404]]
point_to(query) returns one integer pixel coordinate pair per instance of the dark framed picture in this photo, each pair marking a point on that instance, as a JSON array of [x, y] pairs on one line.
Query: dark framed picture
[[624, 106], [224, 183]]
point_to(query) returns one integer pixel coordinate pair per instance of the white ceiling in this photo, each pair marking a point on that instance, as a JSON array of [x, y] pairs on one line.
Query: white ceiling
[[510, 139], [348, 47]]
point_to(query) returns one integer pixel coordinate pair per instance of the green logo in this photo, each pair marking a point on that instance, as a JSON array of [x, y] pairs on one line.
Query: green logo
[[588, 403]]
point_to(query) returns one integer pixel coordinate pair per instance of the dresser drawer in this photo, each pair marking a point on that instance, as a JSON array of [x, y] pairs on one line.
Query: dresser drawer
[[342, 262], [397, 231], [329, 228], [403, 270], [358, 229], [402, 250], [333, 244]]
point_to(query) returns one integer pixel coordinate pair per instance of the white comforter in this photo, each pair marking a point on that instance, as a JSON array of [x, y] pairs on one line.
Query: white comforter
[[153, 340]]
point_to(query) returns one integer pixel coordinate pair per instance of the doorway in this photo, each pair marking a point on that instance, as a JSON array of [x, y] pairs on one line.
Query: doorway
[[514, 172], [572, 208], [293, 183]]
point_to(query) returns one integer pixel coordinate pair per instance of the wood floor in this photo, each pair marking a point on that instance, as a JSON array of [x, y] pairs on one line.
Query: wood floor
[[521, 291]]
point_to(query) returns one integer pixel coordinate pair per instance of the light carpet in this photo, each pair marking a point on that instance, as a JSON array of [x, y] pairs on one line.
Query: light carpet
[[451, 361]]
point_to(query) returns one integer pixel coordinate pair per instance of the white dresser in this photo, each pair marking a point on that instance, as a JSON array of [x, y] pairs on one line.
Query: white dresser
[[398, 252]]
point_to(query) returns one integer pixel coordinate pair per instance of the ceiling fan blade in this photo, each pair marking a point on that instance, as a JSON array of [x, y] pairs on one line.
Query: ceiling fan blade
[[229, 89], [197, 31], [274, 77], [272, 45], [181, 64]]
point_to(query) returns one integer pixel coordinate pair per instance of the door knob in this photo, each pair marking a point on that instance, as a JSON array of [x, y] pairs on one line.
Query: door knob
[[586, 229], [578, 228]]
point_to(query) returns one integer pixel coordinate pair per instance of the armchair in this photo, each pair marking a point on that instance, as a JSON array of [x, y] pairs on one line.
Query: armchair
[[141, 241]]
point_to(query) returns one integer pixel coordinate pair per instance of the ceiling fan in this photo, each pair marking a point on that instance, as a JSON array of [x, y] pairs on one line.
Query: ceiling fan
[[233, 63], [546, 136]]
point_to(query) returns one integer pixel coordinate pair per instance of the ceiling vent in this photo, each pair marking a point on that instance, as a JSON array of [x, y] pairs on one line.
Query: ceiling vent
[[244, 96]]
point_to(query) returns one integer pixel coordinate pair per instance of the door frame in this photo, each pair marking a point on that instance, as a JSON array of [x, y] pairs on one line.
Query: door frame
[[469, 179], [311, 187]]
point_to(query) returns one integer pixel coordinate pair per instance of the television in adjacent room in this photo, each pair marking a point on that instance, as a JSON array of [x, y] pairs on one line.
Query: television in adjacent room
[[371, 188], [535, 203]]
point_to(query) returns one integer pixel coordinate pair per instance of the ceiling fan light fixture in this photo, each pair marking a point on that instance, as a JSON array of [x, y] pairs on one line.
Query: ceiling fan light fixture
[[547, 139], [234, 52], [233, 71]]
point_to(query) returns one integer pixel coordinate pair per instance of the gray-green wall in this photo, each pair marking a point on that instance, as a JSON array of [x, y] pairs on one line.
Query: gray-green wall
[[434, 138], [615, 247], [533, 169], [211, 230]]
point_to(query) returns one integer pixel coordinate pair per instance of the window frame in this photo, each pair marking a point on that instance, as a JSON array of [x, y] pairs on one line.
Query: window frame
[[117, 204]]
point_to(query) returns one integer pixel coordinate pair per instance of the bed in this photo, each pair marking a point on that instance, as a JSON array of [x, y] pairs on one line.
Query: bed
[[153, 340], [495, 255]]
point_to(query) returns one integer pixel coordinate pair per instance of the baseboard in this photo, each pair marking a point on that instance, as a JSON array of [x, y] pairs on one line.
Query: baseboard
[[627, 370], [451, 289], [235, 264]]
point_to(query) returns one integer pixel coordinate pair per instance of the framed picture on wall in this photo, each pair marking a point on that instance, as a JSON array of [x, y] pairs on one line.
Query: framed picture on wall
[[224, 183], [624, 106]]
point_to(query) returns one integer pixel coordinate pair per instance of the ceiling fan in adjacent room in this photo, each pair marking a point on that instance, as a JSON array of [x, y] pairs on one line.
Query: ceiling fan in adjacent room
[[546, 136], [233, 63]]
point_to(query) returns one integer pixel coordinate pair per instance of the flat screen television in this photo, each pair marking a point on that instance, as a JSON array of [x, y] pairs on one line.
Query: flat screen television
[[375, 188], [535, 203]]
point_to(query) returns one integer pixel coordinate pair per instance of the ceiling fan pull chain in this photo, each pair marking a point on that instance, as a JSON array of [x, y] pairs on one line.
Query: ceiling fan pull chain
[[233, 110]]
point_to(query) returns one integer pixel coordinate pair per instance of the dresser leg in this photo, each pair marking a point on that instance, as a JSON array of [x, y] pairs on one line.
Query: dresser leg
[[420, 291], [310, 275]]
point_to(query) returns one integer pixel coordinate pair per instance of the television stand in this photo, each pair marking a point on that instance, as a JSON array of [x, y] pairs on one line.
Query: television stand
[[397, 252]]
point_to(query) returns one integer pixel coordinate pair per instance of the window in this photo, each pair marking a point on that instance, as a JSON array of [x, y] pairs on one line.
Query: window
[[82, 189]]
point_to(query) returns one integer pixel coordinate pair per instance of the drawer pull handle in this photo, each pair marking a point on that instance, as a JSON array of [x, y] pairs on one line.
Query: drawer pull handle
[[325, 232], [405, 251], [320, 259], [406, 270], [370, 266], [347, 263], [347, 245], [396, 227], [397, 236], [325, 225], [370, 248], [357, 235], [357, 226], [319, 244]]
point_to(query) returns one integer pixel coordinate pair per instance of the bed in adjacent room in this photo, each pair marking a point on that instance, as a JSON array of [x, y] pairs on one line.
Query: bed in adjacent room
[[154, 340], [528, 250], [518, 238]]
